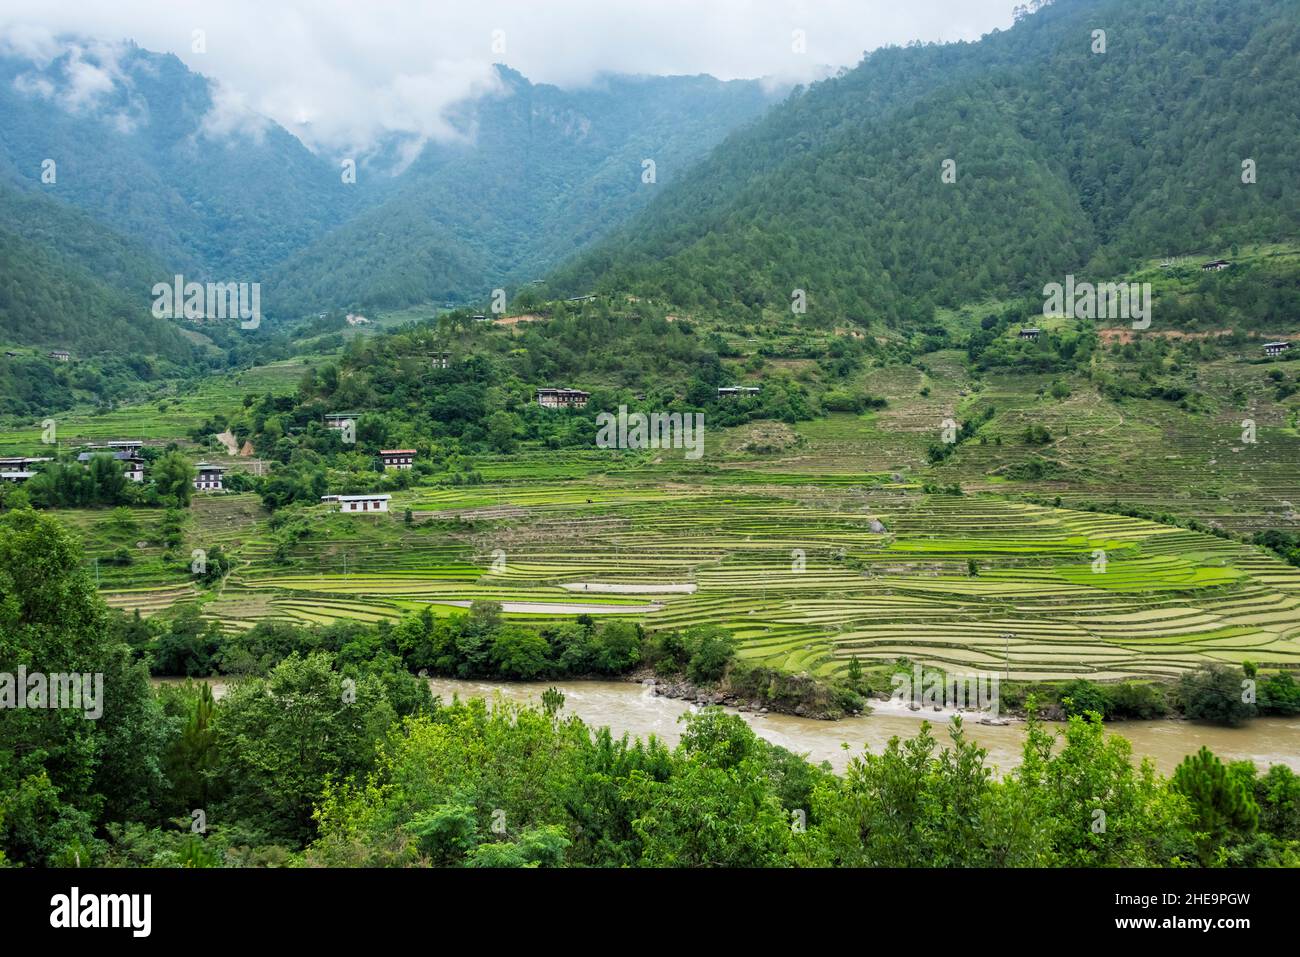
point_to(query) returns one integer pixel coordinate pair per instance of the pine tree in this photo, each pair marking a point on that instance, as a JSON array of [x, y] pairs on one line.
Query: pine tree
[[1221, 805]]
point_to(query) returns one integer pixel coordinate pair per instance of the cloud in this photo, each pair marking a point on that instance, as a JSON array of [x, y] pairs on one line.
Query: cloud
[[80, 77], [343, 75], [230, 115]]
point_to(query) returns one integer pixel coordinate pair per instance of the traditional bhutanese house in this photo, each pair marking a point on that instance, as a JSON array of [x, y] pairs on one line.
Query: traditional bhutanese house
[[582, 299], [359, 503], [130, 446], [562, 398], [18, 468], [397, 458], [1276, 348], [61, 355], [440, 360], [209, 477], [479, 318], [1215, 265], [1030, 334], [132, 464], [737, 391], [339, 420]]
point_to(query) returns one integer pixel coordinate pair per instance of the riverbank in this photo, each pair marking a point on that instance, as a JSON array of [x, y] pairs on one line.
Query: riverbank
[[629, 707]]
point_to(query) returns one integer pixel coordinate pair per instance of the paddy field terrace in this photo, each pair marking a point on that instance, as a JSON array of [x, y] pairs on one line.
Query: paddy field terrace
[[813, 542]]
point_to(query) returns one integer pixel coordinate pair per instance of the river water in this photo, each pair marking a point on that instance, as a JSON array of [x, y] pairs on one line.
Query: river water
[[627, 707]]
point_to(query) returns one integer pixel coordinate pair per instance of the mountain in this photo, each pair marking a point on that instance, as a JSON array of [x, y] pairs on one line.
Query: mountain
[[164, 156], [146, 148], [1066, 161], [541, 172], [68, 282]]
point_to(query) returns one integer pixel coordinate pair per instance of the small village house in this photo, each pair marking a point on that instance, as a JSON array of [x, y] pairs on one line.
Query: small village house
[[61, 355], [359, 504], [397, 458], [19, 468], [209, 476], [1276, 348], [562, 398], [1215, 265], [737, 391], [1031, 334], [132, 464]]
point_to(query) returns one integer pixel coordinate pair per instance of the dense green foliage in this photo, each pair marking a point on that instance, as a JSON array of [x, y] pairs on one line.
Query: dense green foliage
[[543, 172], [340, 757], [1067, 161]]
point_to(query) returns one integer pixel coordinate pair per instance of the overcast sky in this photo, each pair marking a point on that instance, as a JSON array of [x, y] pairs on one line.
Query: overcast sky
[[340, 72]]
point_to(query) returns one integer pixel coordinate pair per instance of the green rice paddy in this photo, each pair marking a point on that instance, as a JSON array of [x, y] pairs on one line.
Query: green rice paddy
[[796, 572]]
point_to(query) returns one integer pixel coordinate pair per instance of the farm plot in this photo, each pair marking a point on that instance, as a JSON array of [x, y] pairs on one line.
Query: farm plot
[[806, 578]]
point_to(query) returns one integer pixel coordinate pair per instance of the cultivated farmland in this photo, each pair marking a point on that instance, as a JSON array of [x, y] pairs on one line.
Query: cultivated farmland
[[807, 576]]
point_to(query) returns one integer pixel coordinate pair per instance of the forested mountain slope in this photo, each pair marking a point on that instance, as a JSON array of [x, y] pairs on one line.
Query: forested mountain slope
[[68, 282], [545, 172], [1066, 160], [161, 155], [147, 156]]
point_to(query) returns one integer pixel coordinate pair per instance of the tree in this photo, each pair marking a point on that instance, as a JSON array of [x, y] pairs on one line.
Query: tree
[[855, 674], [63, 770], [711, 649], [617, 646], [173, 476], [519, 652], [279, 739], [1223, 807], [1214, 693], [190, 757], [717, 808], [501, 427], [1079, 696], [109, 479], [1093, 806]]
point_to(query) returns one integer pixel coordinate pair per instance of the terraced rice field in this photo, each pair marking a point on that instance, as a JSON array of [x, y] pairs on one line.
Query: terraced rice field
[[807, 576]]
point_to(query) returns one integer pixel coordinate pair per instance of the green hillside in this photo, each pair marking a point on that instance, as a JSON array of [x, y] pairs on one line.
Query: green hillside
[[1067, 161], [543, 172]]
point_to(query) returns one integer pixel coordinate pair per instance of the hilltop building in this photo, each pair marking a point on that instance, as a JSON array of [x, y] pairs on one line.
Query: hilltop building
[[737, 391], [1031, 334], [61, 355], [562, 398], [18, 468], [1215, 265], [359, 503], [397, 458], [1276, 348], [209, 477], [132, 464]]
